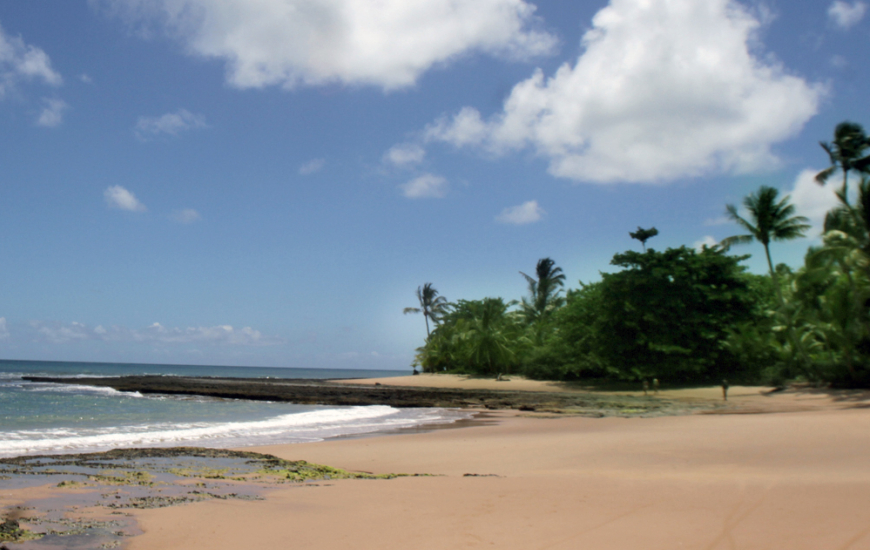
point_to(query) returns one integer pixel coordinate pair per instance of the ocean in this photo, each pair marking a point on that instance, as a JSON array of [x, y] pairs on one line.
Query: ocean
[[37, 418]]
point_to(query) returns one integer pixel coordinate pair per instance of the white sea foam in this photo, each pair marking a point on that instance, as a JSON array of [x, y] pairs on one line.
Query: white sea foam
[[77, 389], [289, 428]]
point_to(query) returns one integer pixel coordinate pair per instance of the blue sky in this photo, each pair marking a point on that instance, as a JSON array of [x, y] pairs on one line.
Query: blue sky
[[267, 182]]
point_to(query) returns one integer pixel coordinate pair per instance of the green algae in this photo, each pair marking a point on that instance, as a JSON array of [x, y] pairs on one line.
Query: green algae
[[121, 477], [11, 531], [300, 471], [70, 484], [202, 471]]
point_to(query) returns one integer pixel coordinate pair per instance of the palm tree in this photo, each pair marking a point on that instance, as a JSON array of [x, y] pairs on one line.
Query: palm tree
[[846, 153], [771, 221], [643, 235], [489, 342], [854, 221], [432, 306], [544, 292]]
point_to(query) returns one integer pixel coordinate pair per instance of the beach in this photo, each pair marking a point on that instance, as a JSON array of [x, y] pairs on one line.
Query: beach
[[772, 470], [797, 480]]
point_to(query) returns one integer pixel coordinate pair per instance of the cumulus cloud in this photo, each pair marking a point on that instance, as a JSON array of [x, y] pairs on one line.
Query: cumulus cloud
[[404, 155], [156, 333], [118, 197], [427, 186], [846, 15], [388, 43], [664, 89], [812, 200], [528, 212], [312, 166], [52, 114], [20, 61], [171, 123], [186, 215]]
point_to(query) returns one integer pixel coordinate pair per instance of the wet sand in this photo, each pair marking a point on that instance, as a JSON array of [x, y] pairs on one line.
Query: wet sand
[[796, 477]]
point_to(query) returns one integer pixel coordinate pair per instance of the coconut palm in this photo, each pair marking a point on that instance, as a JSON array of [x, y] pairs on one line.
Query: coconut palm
[[643, 235], [770, 221], [432, 306], [544, 291], [846, 153]]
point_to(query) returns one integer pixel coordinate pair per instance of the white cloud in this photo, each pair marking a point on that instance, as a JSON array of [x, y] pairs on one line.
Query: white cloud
[[61, 334], [186, 215], [221, 334], [405, 154], [86, 79], [846, 15], [427, 186], [170, 123], [118, 197], [52, 114], [156, 334], [664, 89], [20, 61], [528, 212], [388, 43], [813, 200], [4, 330], [707, 241], [312, 166], [839, 62], [721, 220]]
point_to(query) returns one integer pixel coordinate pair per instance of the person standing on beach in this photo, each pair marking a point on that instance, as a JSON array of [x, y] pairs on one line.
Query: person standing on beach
[[725, 389]]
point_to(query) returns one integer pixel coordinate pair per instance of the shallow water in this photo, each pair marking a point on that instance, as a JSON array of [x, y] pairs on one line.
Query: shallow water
[[39, 418]]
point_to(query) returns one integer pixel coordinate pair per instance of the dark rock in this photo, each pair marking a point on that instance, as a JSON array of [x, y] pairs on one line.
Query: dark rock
[[325, 392]]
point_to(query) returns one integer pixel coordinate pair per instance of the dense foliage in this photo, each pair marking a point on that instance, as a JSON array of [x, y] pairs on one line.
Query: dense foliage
[[665, 315], [686, 315]]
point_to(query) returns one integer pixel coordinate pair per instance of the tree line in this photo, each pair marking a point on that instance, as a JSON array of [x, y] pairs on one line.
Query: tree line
[[684, 315]]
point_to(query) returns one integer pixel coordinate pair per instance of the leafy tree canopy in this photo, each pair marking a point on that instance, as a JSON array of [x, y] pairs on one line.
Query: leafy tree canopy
[[665, 315]]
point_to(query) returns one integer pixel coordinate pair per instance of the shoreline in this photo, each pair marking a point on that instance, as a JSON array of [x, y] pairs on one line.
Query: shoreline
[[794, 480], [794, 476], [400, 392]]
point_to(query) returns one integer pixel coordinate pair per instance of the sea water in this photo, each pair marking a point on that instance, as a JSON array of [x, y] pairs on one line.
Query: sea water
[[41, 418]]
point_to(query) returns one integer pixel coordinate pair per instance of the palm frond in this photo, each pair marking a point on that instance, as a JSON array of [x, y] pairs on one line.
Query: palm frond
[[736, 239], [732, 213]]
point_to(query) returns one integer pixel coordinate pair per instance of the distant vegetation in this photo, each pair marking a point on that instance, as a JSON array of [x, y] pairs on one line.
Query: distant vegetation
[[684, 315]]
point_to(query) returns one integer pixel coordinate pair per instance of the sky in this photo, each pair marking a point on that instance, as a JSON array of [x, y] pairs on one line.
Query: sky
[[267, 182]]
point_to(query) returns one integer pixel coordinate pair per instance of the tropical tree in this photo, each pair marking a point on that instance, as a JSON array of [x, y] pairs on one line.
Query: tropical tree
[[544, 291], [663, 314], [432, 306], [846, 153], [643, 235], [490, 336], [475, 336], [853, 220], [769, 221]]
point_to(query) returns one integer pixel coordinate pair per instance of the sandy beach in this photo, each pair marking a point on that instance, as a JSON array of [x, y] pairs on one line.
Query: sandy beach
[[795, 474]]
